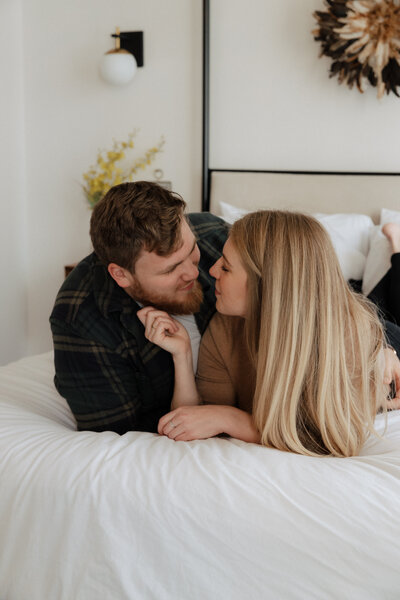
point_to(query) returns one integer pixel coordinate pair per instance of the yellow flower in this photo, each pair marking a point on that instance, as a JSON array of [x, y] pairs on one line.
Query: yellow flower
[[105, 174]]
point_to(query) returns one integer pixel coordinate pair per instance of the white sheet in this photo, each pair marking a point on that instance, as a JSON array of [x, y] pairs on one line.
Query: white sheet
[[99, 516]]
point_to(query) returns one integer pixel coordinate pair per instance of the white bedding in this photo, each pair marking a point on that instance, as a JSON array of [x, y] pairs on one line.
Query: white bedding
[[99, 516]]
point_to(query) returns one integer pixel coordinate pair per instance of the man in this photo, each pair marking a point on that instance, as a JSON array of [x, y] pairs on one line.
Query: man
[[145, 252]]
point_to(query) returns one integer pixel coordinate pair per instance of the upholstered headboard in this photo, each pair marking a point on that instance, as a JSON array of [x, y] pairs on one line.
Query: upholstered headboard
[[305, 192]]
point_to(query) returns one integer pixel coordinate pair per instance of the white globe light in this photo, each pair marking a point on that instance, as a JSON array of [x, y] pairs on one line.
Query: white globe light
[[118, 67]]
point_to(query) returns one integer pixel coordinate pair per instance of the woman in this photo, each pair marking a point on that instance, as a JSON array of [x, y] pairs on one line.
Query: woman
[[294, 359]]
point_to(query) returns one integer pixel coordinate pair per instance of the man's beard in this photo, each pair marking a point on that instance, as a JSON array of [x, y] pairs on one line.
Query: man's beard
[[189, 305]]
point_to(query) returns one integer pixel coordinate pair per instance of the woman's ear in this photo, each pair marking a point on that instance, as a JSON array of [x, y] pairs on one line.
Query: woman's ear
[[120, 275]]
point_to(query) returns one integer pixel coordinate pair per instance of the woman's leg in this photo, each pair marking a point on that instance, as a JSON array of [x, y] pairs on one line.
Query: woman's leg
[[392, 232], [386, 294]]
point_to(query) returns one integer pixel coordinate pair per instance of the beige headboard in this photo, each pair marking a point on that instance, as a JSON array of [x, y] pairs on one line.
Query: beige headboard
[[310, 193]]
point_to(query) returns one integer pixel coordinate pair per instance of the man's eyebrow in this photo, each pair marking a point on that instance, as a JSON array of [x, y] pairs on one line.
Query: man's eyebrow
[[172, 267]]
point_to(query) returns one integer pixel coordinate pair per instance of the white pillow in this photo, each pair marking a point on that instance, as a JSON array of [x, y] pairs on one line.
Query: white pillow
[[350, 235], [378, 260], [230, 213], [389, 216], [352, 229]]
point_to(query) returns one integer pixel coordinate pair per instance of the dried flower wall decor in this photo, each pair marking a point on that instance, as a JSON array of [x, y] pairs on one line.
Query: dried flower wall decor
[[362, 37]]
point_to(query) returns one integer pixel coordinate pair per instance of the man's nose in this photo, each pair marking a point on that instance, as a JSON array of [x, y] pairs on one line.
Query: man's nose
[[191, 271]]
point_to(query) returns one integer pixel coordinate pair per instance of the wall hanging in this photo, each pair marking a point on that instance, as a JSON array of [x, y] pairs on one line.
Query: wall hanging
[[362, 37]]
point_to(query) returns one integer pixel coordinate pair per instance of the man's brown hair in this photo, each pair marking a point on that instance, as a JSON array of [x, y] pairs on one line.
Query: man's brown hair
[[133, 217]]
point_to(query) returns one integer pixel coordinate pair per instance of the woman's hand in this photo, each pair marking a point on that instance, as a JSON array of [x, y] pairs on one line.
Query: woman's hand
[[208, 420], [170, 335], [192, 423], [164, 331]]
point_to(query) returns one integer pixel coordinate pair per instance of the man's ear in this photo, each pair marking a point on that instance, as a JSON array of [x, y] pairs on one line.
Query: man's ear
[[122, 276]]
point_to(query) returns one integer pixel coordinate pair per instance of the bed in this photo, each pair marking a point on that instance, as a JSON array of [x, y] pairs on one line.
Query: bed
[[88, 515], [98, 516]]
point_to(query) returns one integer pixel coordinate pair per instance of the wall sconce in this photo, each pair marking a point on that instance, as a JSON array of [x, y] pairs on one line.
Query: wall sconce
[[118, 66]]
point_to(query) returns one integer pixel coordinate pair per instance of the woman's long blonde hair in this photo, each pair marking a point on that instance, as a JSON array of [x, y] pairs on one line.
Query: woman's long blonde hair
[[316, 344]]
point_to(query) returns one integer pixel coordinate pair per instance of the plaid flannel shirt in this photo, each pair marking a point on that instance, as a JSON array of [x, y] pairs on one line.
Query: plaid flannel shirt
[[111, 376]]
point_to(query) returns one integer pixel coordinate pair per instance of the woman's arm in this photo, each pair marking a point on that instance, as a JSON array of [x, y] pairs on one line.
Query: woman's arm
[[185, 391], [217, 389], [199, 422], [164, 331]]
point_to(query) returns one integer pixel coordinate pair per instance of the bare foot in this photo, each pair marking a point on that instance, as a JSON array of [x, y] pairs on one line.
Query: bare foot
[[392, 232]]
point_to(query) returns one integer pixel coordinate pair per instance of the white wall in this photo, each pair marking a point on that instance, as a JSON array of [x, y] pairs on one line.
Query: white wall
[[70, 113], [273, 105], [13, 291]]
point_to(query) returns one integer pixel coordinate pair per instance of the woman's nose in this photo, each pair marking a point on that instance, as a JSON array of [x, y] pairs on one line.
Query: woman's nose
[[214, 270]]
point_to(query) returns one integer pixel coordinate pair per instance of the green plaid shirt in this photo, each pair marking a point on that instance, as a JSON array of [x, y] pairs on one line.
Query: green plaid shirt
[[111, 376]]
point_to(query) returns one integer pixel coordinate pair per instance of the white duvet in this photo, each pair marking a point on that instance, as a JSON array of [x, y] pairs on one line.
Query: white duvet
[[97, 516]]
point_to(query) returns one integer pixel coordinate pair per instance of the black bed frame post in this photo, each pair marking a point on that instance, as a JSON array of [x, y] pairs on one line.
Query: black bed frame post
[[205, 199]]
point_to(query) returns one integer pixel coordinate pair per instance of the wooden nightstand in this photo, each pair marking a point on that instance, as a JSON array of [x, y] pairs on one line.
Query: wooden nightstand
[[68, 269]]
